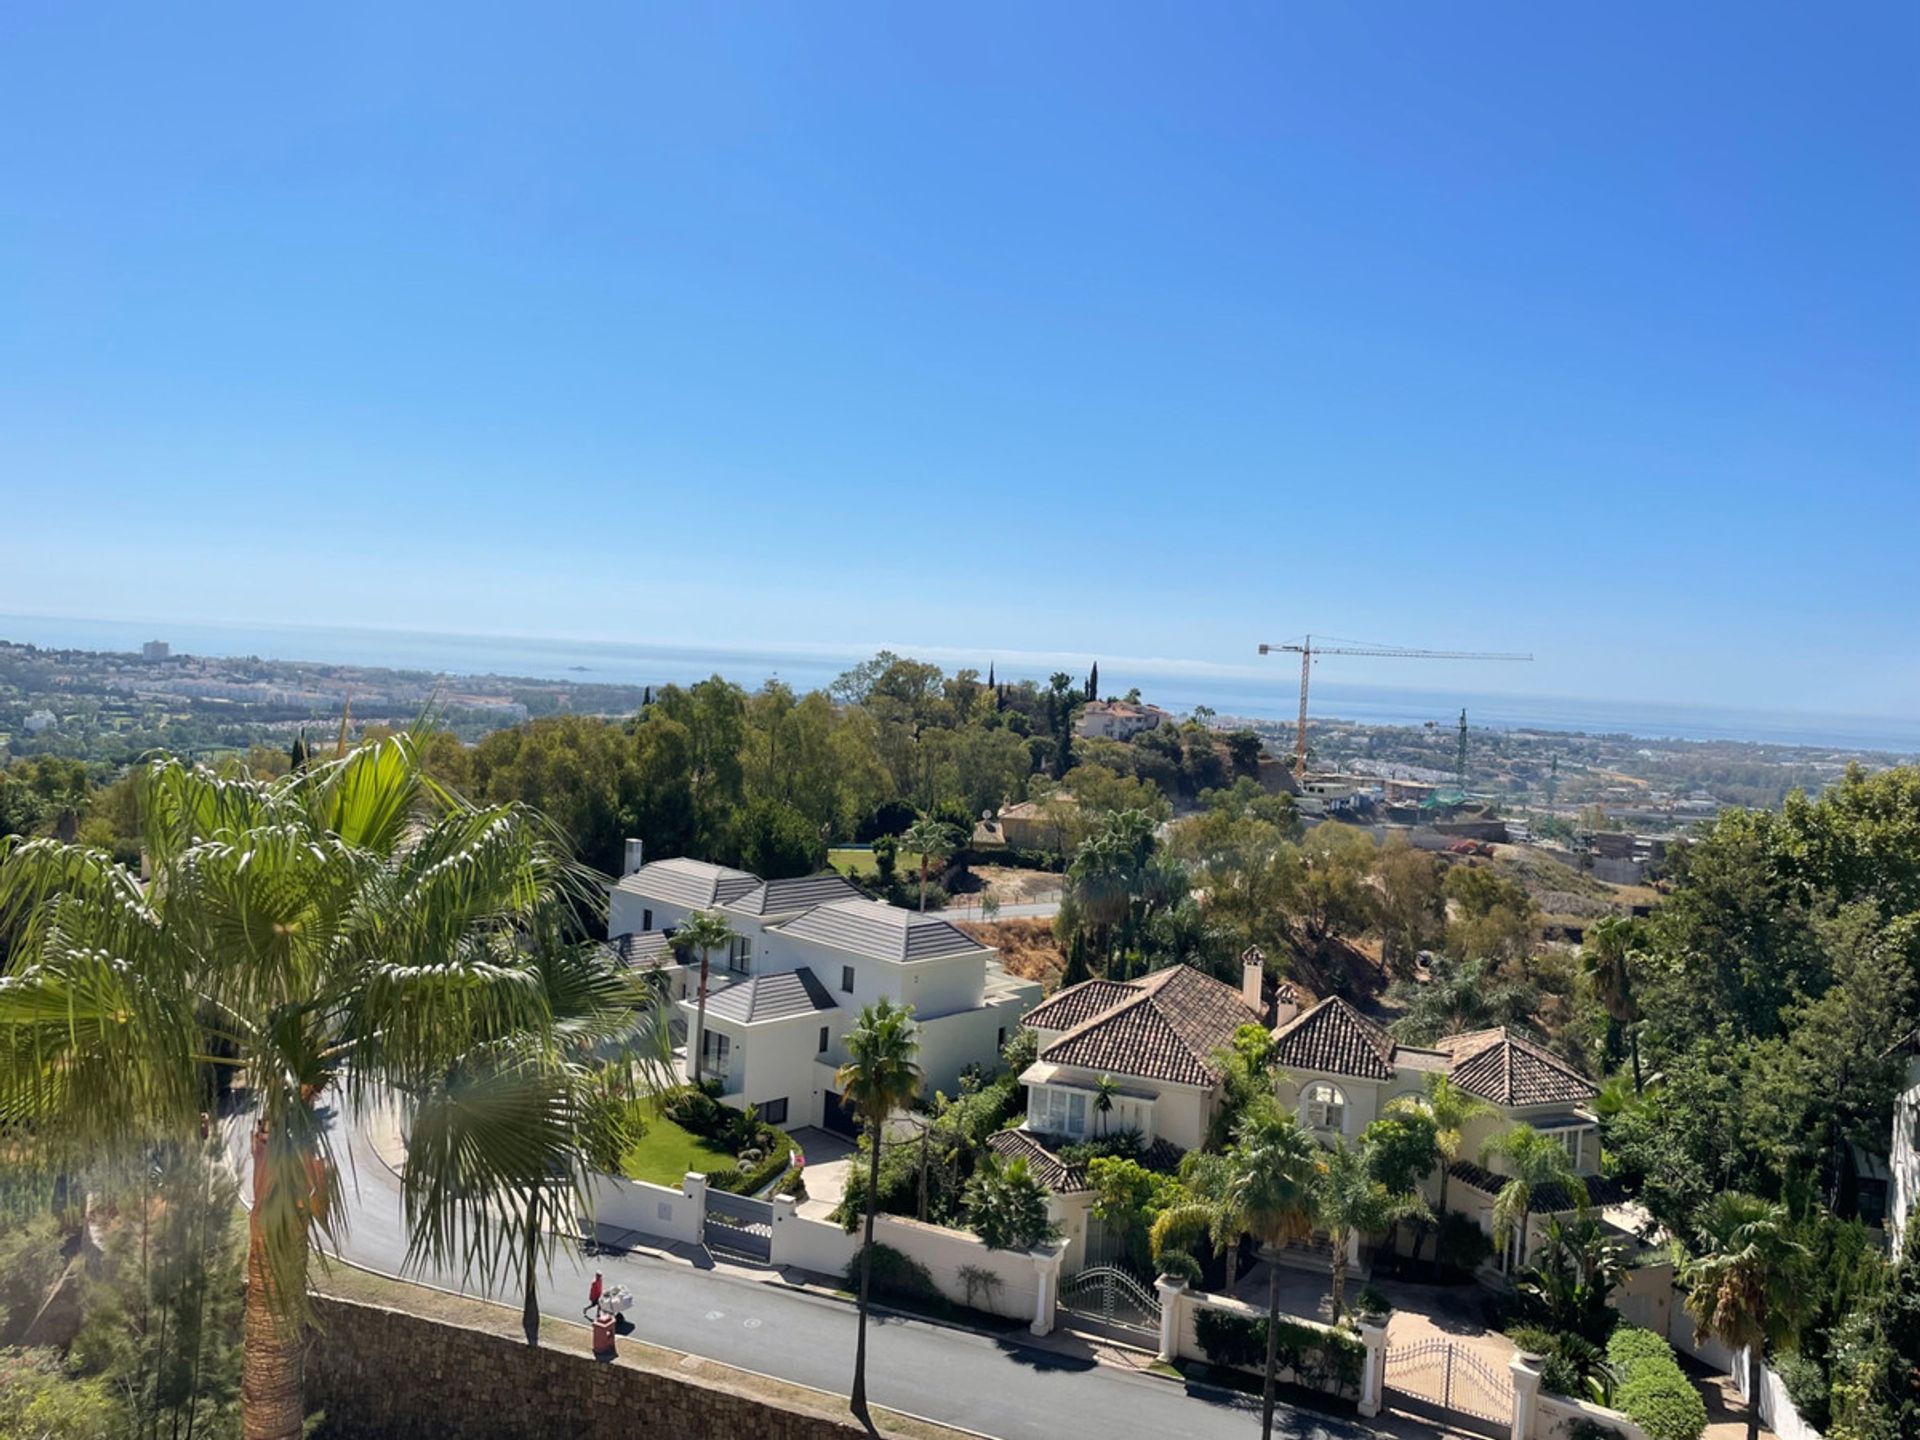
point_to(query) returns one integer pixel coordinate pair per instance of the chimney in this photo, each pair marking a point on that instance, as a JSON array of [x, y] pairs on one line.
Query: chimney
[[1253, 974], [1286, 1005], [636, 856]]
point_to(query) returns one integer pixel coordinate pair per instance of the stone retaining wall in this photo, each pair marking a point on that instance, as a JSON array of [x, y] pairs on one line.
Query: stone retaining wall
[[384, 1375]]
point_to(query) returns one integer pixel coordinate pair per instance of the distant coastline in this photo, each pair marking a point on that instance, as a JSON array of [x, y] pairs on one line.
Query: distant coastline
[[611, 662]]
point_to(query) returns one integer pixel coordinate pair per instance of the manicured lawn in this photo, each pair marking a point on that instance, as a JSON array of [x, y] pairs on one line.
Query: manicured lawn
[[851, 861], [665, 1154]]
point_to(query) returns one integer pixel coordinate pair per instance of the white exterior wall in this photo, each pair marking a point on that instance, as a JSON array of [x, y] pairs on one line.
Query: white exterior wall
[[1363, 1099], [1904, 1193], [1178, 1114], [780, 1066], [674, 1215], [1554, 1417], [951, 1043], [944, 986], [824, 1248]]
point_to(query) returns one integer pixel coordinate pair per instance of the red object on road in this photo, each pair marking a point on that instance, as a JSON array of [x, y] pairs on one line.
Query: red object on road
[[603, 1338]]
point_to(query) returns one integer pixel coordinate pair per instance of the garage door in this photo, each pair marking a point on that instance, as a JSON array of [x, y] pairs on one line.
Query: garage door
[[839, 1119]]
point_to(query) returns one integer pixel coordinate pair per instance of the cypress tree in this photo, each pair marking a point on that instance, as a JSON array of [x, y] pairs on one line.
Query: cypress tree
[[1093, 683], [297, 753], [990, 684], [1077, 967]]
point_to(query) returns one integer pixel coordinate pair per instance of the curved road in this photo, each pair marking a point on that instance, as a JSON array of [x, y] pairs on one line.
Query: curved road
[[999, 1388]]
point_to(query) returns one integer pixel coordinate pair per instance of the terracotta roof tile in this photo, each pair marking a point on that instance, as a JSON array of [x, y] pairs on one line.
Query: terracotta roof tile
[[1048, 1168], [1500, 1066], [1335, 1038], [1167, 1028], [1078, 1004]]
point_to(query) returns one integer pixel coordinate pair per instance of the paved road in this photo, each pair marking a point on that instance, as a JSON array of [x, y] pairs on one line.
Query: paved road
[[998, 1388]]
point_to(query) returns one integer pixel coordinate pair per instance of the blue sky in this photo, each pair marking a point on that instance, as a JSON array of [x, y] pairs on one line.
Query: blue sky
[[1125, 329]]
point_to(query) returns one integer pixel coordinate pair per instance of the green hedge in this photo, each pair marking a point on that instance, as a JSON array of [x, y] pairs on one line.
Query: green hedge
[[1651, 1389], [1314, 1355], [747, 1182]]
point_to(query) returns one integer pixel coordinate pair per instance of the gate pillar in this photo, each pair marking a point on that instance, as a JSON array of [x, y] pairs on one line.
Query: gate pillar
[[1373, 1376], [1526, 1390], [1172, 1292], [1046, 1293]]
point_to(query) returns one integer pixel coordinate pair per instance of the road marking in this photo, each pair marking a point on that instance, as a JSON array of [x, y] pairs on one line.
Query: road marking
[[716, 1314], [751, 1324]]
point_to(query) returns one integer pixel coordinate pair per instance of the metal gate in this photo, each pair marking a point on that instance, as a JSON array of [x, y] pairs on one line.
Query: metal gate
[[1447, 1381], [1107, 1296], [739, 1226]]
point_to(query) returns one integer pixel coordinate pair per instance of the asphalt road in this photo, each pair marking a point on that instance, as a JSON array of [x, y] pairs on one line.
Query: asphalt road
[[1000, 1388]]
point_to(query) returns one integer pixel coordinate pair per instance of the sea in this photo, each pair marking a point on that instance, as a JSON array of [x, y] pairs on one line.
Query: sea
[[1180, 686]]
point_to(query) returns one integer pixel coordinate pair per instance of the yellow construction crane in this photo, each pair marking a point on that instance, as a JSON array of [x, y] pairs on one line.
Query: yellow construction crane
[[1306, 650]]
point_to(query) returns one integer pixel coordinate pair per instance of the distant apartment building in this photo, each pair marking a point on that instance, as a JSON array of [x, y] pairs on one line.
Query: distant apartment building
[[155, 650], [808, 954], [1118, 720]]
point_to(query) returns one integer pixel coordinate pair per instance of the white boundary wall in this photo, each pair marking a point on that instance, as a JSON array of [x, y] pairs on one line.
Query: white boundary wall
[[678, 1216], [1554, 1417]]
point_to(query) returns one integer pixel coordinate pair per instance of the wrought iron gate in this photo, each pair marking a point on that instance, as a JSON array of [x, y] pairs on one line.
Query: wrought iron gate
[[739, 1226], [1108, 1295], [1451, 1382]]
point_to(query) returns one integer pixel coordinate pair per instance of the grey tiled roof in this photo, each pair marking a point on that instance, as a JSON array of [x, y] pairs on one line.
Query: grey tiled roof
[[1337, 1039], [1167, 1028], [645, 950], [693, 883], [786, 897], [883, 932], [778, 996], [1500, 1066]]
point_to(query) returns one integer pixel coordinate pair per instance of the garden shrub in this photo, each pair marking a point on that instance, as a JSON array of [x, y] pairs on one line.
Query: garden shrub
[[748, 1179], [1652, 1390], [1179, 1265], [895, 1275], [1462, 1244], [1806, 1384], [1372, 1304], [1315, 1356]]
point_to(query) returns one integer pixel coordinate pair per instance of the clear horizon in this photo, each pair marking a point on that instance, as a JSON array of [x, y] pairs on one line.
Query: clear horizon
[[1593, 335]]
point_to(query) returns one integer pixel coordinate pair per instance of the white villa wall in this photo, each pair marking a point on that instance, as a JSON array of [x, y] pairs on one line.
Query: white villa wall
[[1363, 1100], [1645, 1297], [824, 1248], [780, 1065], [952, 1042], [941, 987], [1554, 1417], [1187, 1342], [672, 1215], [1178, 1114]]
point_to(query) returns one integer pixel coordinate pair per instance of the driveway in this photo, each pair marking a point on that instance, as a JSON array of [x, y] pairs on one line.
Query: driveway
[[828, 1156]]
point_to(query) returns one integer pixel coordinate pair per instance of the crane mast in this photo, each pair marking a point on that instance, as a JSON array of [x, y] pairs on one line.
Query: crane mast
[[1306, 650]]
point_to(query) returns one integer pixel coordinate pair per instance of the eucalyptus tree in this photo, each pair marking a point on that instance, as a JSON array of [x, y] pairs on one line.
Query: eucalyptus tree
[[349, 934]]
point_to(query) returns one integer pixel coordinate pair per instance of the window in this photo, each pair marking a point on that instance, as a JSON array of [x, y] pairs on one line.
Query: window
[[1054, 1111], [714, 1049], [740, 955], [774, 1112], [1000, 1038], [646, 920], [846, 979], [1569, 1140], [823, 1040], [1326, 1106]]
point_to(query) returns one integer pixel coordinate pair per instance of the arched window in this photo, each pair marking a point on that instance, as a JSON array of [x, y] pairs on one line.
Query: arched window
[[1326, 1106]]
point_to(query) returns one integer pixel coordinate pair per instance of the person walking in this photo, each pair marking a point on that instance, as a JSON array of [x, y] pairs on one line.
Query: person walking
[[593, 1291]]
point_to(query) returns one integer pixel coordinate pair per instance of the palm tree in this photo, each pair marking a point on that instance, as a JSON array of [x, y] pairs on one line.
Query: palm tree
[[880, 1077], [1536, 1161], [1743, 1280], [705, 931], [1605, 959], [931, 840], [1104, 1089], [1353, 1203], [1451, 1110], [609, 1046], [348, 932], [1272, 1194]]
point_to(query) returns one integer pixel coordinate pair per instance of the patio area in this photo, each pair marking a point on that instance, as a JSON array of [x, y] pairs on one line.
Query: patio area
[[828, 1156]]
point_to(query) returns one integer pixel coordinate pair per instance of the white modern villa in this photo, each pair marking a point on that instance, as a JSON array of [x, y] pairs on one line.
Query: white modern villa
[[809, 953]]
